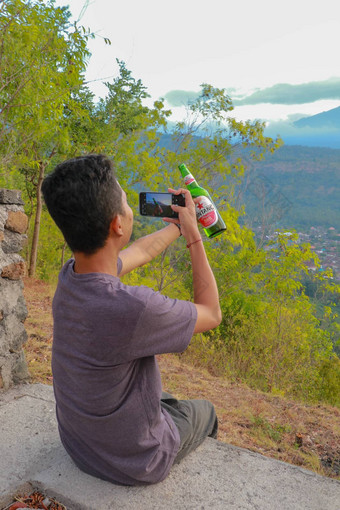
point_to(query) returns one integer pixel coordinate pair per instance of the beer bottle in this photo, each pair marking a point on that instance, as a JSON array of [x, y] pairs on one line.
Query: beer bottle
[[206, 211]]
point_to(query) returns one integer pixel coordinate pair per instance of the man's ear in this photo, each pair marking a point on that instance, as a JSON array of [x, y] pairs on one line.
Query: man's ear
[[116, 225]]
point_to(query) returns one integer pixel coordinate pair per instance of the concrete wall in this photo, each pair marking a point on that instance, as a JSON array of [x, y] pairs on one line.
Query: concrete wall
[[13, 312]]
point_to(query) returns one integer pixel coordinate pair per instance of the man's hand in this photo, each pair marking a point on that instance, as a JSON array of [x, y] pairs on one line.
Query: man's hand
[[186, 216]]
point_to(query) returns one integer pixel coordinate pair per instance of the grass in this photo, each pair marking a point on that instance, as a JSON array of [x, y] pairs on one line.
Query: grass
[[304, 435], [38, 325], [287, 430]]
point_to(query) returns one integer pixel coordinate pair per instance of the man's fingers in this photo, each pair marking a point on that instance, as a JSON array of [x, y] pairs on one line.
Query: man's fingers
[[185, 192]]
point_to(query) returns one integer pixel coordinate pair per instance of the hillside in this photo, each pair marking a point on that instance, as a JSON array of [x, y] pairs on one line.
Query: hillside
[[301, 183], [304, 435]]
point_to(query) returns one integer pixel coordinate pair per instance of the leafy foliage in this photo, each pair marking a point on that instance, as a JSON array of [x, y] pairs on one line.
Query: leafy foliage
[[43, 57]]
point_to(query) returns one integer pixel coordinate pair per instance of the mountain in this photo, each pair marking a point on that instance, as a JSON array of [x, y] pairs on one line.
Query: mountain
[[321, 130], [328, 119]]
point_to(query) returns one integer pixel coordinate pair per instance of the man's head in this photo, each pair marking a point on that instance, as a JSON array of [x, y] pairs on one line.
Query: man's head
[[83, 196]]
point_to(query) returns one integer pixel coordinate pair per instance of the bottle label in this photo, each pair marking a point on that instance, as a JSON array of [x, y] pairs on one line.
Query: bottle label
[[188, 179], [206, 212]]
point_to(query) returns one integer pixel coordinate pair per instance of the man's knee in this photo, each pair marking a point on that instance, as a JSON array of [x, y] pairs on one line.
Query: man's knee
[[213, 421]]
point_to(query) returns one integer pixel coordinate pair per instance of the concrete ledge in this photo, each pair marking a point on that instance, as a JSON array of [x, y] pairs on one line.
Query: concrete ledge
[[216, 476]]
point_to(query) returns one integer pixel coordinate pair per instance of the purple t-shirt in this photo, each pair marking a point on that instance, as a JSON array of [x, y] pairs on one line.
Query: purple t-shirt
[[106, 378]]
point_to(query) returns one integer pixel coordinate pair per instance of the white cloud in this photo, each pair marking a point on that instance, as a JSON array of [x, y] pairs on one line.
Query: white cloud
[[242, 45]]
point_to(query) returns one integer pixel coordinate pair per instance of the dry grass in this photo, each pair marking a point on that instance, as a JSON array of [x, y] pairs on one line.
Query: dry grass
[[300, 434], [304, 435], [38, 324]]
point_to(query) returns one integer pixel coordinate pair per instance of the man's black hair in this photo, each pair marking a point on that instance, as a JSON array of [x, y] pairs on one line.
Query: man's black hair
[[83, 196]]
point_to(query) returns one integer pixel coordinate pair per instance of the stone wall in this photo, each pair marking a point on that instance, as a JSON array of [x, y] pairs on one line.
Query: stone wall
[[13, 312]]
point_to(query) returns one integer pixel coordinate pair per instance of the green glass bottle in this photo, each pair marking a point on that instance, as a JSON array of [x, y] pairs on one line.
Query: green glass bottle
[[206, 211]]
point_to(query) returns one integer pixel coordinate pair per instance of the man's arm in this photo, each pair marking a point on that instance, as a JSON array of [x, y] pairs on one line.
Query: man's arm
[[206, 298], [146, 248]]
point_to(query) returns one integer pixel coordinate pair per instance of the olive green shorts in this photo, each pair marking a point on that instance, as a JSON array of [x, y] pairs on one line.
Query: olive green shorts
[[195, 420]]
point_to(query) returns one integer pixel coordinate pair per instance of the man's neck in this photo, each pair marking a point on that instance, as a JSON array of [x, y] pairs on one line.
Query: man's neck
[[103, 261]]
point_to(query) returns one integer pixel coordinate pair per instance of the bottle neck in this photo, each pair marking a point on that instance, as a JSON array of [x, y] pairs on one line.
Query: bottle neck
[[189, 179]]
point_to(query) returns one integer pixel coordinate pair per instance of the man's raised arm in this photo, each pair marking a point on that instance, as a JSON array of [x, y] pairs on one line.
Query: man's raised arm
[[206, 298], [146, 248]]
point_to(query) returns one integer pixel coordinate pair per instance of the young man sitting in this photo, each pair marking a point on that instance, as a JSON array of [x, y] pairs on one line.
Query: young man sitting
[[114, 420]]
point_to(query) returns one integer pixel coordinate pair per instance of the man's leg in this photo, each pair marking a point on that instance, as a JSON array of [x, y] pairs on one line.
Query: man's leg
[[195, 420]]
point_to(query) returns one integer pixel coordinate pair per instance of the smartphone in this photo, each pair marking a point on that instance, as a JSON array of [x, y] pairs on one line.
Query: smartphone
[[158, 204]]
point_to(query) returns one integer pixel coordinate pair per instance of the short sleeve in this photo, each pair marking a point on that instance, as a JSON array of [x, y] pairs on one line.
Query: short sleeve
[[166, 325]]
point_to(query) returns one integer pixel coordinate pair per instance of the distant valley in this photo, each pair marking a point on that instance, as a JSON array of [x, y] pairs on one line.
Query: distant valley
[[303, 177], [297, 187]]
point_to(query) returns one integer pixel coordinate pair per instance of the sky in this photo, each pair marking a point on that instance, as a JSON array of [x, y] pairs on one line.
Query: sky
[[278, 61]]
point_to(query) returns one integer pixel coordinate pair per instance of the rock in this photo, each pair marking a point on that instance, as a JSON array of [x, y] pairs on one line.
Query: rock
[[20, 371], [14, 271], [8, 196], [21, 309], [13, 311], [13, 334], [13, 242], [10, 293], [6, 371], [3, 216], [17, 222]]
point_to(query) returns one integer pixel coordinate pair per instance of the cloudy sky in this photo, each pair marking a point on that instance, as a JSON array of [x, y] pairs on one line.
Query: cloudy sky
[[277, 60]]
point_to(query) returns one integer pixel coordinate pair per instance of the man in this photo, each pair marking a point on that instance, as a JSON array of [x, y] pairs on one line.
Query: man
[[114, 420]]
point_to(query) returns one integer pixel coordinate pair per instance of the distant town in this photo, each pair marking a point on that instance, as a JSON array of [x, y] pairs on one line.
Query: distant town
[[325, 242]]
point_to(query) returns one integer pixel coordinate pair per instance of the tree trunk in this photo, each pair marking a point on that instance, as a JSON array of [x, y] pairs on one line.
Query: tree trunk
[[35, 240]]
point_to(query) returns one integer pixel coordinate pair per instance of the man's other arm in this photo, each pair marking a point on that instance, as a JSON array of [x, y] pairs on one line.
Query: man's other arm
[[146, 248]]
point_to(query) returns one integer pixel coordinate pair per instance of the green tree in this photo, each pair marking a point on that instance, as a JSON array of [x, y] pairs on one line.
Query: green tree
[[99, 128], [270, 336], [43, 58], [123, 106]]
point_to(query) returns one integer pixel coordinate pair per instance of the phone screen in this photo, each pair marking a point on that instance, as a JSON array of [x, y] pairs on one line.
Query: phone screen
[[159, 204]]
